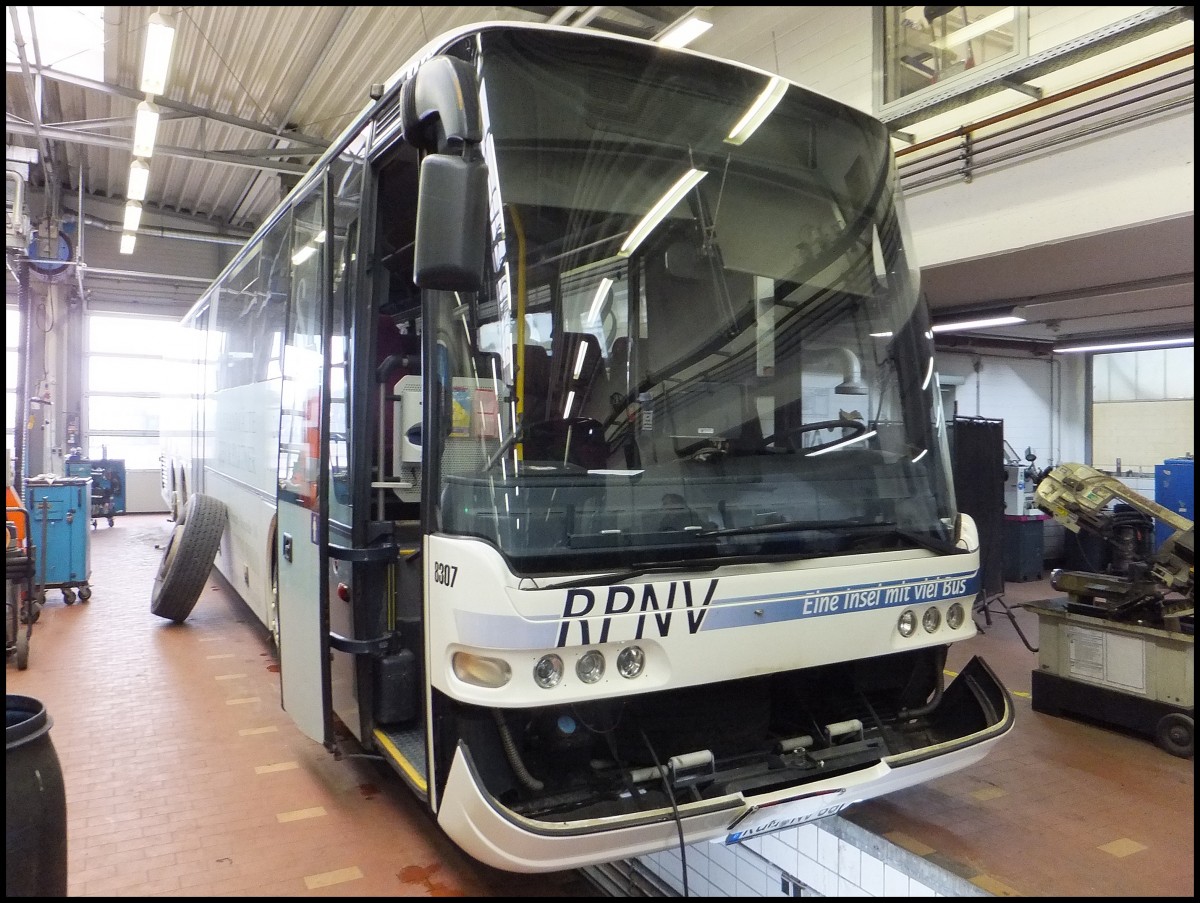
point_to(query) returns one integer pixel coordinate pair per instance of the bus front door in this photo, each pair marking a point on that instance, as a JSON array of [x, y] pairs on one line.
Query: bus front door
[[302, 533]]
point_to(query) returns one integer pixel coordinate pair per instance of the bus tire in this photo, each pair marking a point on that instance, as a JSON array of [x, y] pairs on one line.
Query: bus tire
[[188, 559]]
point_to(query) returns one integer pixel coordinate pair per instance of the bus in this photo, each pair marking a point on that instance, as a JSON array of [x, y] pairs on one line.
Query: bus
[[573, 428]]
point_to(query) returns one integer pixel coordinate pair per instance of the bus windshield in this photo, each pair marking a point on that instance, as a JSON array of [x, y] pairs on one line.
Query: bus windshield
[[701, 339]]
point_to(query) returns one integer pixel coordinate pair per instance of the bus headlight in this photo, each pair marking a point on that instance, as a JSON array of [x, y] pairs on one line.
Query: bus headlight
[[955, 615], [931, 620], [630, 661], [548, 671], [480, 670], [908, 623], [590, 666]]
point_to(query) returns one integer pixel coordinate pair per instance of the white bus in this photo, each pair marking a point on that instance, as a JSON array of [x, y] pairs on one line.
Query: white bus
[[573, 428]]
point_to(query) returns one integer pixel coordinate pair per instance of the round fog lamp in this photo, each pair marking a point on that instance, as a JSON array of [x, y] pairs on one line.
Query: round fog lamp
[[907, 624], [931, 620], [548, 671], [631, 661], [590, 666], [955, 616]]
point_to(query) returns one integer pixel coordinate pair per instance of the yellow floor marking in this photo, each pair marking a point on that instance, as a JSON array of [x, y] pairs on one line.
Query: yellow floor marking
[[249, 731], [1122, 848], [989, 793], [312, 882], [278, 766], [900, 839], [298, 814], [242, 700], [229, 676], [994, 887]]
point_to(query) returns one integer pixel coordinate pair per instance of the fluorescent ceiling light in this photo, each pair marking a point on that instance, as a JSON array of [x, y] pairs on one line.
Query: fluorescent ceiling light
[[580, 357], [145, 129], [758, 111], [593, 315], [1120, 346], [127, 242], [983, 323], [160, 35], [133, 216], [863, 438], [975, 29], [683, 33], [139, 177], [303, 254], [659, 211]]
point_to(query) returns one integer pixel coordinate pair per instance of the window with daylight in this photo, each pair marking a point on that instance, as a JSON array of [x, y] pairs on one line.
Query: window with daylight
[[929, 49], [131, 368]]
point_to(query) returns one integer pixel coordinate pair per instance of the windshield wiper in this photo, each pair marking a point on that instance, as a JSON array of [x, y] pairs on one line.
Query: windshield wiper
[[622, 576], [885, 529], [793, 526]]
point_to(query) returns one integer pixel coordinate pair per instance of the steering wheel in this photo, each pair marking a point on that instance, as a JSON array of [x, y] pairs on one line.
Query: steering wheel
[[790, 435]]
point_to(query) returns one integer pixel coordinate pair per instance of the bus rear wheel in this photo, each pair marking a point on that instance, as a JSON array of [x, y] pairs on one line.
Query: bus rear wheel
[[188, 559]]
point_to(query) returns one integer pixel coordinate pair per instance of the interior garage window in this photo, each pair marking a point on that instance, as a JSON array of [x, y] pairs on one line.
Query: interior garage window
[[130, 371], [929, 49]]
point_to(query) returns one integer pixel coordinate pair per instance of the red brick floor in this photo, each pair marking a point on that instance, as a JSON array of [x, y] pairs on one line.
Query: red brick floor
[[1059, 807], [185, 778]]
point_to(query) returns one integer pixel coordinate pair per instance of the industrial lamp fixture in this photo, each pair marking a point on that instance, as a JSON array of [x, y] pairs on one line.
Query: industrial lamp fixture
[[1127, 346], [133, 216], [977, 323], [160, 35], [139, 178], [683, 32], [145, 129]]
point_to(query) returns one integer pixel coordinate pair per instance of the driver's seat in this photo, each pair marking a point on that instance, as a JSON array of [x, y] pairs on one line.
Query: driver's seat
[[576, 440]]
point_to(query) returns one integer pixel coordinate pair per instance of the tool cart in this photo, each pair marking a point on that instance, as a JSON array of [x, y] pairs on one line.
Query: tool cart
[[59, 512], [108, 485]]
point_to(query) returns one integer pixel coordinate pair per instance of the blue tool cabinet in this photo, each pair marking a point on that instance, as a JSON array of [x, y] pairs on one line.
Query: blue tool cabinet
[[59, 514], [1175, 489], [108, 485]]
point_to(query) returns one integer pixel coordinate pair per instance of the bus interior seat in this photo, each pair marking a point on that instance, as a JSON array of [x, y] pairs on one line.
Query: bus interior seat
[[575, 440], [577, 366], [536, 382]]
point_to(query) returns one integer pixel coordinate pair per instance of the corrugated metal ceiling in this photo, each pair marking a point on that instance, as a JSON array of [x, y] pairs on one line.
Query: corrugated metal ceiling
[[246, 83]]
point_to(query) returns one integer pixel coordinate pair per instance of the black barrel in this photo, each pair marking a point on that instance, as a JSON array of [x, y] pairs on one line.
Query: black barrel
[[35, 804]]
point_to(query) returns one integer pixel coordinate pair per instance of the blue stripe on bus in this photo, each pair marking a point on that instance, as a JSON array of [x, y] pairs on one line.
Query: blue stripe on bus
[[502, 631]]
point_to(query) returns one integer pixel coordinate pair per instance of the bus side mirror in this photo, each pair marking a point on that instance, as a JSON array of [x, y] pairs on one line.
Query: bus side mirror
[[451, 224]]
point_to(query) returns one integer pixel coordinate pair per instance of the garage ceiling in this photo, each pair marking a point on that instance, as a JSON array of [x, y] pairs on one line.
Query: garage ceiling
[[256, 93]]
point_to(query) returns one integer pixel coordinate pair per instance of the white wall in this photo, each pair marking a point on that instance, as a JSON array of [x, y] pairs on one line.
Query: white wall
[[1040, 399], [142, 492], [1138, 174]]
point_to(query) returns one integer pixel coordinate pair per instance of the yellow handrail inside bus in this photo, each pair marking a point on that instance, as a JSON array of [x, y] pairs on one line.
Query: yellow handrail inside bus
[[520, 362]]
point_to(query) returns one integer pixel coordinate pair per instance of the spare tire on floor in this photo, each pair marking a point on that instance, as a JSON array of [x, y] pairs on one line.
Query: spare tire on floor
[[188, 559]]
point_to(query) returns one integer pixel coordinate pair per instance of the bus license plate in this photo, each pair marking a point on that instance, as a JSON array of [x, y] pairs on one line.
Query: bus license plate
[[777, 818]]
